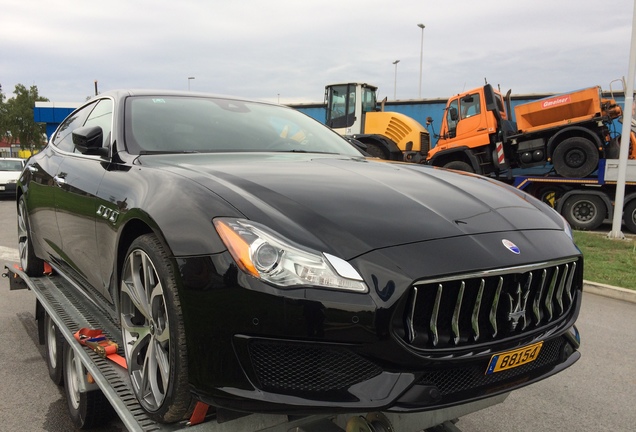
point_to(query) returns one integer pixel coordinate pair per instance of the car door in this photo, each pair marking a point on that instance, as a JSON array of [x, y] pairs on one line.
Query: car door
[[77, 183], [42, 186], [472, 127]]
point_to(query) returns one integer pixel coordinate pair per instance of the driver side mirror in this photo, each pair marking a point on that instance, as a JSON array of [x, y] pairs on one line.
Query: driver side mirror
[[453, 113], [88, 140]]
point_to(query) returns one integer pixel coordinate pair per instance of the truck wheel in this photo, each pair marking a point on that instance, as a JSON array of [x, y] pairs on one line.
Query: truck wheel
[[629, 216], [86, 408], [575, 157], [54, 347], [548, 194], [376, 150], [152, 330], [459, 166], [31, 265], [584, 212]]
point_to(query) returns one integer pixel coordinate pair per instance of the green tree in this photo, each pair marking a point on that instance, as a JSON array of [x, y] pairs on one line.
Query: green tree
[[3, 116], [18, 118]]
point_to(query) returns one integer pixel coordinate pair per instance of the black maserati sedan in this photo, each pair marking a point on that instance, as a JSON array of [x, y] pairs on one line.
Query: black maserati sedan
[[257, 261]]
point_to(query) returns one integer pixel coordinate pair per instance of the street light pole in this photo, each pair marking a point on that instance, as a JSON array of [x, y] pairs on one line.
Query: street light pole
[[189, 78], [395, 81], [421, 56]]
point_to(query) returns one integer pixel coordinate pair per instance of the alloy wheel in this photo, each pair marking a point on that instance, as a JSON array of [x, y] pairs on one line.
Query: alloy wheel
[[145, 330]]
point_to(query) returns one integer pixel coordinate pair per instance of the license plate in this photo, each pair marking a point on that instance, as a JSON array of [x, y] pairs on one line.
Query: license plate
[[511, 359], [1, 188]]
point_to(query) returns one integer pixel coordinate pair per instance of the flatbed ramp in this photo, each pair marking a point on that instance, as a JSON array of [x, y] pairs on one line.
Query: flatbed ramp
[[71, 311]]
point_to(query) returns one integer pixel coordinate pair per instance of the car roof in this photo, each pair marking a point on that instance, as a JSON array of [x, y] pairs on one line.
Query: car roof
[[124, 93]]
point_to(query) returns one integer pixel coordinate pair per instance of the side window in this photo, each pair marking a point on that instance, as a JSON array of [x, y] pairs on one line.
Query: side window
[[451, 118], [368, 100], [102, 116], [63, 138], [351, 110]]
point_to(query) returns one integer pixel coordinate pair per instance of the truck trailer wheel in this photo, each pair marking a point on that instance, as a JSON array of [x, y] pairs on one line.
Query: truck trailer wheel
[[575, 157], [54, 347], [584, 212], [86, 408], [153, 332], [629, 216]]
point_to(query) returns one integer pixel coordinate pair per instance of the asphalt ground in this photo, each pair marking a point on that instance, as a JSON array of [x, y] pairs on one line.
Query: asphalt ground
[[598, 393]]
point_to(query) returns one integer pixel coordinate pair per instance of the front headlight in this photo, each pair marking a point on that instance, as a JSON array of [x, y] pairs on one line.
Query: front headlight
[[266, 255]]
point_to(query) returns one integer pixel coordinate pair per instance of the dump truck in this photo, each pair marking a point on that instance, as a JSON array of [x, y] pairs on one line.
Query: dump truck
[[571, 131], [353, 111]]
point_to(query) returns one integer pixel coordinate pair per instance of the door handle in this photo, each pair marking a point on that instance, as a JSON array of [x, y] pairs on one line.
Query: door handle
[[59, 180]]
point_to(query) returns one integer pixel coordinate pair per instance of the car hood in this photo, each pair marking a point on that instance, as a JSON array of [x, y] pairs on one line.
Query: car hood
[[350, 206], [6, 176]]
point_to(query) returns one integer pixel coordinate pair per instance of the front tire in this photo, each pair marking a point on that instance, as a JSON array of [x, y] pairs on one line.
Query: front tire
[[31, 265], [584, 212], [459, 166], [377, 150], [153, 332]]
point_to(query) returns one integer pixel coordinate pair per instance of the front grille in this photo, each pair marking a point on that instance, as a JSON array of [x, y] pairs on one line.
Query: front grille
[[425, 142], [452, 381], [299, 368], [489, 306]]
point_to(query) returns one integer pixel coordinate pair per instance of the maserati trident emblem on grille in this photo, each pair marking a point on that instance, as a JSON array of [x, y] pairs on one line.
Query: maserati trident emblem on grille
[[518, 307], [511, 246]]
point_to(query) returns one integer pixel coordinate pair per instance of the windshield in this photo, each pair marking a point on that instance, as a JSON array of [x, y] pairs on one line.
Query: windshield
[[181, 124], [10, 165]]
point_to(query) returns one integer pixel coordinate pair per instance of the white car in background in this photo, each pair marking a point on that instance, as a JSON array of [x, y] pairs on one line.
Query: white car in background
[[10, 169]]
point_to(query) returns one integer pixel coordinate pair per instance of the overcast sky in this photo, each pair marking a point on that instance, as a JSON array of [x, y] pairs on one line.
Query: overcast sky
[[287, 51]]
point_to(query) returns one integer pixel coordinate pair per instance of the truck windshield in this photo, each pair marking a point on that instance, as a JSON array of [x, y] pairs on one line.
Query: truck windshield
[[470, 106], [341, 104]]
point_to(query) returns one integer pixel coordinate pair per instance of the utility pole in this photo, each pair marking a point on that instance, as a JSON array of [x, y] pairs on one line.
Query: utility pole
[[619, 200], [419, 94], [395, 80]]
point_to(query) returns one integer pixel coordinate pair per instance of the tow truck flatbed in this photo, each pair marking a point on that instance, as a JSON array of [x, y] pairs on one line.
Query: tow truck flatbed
[[71, 311]]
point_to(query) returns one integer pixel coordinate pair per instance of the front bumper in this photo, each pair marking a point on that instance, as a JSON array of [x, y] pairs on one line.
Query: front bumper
[[315, 378], [7, 189], [253, 347]]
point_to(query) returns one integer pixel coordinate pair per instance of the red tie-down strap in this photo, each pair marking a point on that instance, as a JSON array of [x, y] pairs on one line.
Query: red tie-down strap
[[199, 413], [98, 342]]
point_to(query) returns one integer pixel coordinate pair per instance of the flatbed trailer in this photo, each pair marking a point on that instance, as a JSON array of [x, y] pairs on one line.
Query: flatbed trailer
[[585, 202], [69, 310]]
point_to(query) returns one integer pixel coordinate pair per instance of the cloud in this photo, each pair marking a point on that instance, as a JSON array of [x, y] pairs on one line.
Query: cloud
[[289, 50]]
